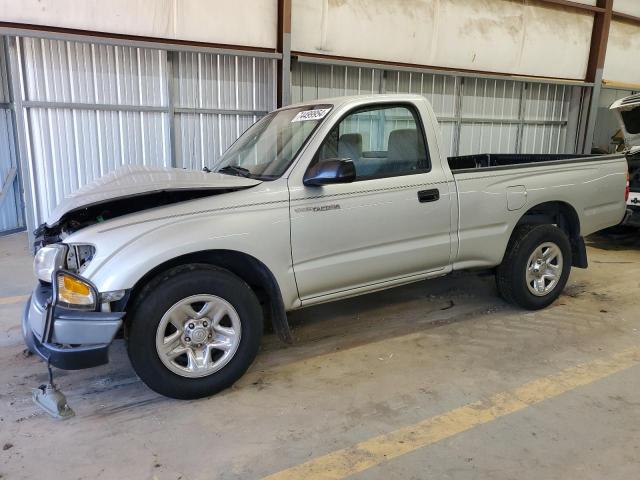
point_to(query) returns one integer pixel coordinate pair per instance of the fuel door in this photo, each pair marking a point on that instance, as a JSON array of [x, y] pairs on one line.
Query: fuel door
[[516, 197]]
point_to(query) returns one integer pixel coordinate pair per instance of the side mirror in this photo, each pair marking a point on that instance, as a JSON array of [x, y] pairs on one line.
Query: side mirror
[[333, 170]]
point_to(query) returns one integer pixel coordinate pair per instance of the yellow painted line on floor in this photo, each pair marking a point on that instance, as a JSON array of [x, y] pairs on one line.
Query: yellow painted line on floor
[[16, 299], [348, 461]]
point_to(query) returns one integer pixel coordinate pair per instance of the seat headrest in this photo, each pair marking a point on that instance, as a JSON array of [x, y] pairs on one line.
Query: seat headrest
[[350, 146], [405, 145]]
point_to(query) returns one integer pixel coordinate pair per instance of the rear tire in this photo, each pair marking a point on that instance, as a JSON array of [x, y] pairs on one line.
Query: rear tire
[[536, 266], [194, 331]]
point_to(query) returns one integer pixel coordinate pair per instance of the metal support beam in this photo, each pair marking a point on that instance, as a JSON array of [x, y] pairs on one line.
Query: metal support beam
[[172, 70], [458, 93], [625, 17], [594, 103], [219, 111], [7, 183], [576, 5], [109, 107], [93, 106], [284, 48], [13, 143], [318, 59], [20, 118], [501, 121], [597, 53], [520, 121], [571, 144], [99, 38]]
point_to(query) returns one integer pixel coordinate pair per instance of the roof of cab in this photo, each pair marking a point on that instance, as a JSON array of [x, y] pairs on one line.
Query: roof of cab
[[340, 101]]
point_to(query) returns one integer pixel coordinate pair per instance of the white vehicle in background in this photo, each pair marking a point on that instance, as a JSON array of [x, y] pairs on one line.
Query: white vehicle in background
[[628, 111], [313, 203]]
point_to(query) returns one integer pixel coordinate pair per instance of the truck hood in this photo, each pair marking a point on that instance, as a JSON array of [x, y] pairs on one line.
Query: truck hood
[[131, 189], [628, 112]]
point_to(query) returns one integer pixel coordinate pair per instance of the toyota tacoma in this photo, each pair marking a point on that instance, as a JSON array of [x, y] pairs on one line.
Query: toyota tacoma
[[313, 203]]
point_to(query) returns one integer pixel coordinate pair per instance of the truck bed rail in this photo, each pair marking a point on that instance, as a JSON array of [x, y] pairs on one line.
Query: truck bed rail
[[488, 160]]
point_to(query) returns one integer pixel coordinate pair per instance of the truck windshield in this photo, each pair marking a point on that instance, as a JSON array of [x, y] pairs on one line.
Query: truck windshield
[[267, 148]]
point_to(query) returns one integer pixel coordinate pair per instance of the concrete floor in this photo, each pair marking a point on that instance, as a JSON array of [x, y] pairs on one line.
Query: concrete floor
[[362, 368]]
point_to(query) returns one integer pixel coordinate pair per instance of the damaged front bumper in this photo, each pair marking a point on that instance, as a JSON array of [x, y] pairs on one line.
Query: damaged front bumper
[[69, 339]]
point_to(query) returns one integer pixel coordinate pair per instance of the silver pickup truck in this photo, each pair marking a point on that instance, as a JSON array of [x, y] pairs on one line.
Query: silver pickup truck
[[313, 203]]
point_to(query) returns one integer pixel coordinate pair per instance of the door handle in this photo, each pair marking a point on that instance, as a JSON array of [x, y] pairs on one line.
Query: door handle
[[428, 195]]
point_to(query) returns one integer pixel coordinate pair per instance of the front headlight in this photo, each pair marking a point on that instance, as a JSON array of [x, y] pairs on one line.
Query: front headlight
[[49, 259], [75, 292]]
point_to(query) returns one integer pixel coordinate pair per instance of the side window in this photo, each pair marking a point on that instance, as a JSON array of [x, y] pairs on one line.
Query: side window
[[382, 141]]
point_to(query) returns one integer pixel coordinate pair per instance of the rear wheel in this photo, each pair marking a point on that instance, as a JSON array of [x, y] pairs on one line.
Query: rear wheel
[[536, 266], [195, 330]]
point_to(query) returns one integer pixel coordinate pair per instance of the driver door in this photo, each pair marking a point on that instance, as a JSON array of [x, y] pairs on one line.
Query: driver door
[[391, 223]]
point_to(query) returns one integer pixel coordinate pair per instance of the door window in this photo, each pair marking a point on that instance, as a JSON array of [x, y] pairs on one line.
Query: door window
[[382, 141]]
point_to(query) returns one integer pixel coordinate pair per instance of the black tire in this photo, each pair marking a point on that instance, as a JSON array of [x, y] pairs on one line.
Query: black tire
[[511, 273], [159, 296]]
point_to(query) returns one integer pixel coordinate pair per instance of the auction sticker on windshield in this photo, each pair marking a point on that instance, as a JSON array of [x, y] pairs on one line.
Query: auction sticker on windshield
[[316, 114]]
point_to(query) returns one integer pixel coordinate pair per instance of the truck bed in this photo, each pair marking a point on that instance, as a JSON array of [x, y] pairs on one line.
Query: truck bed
[[492, 160]]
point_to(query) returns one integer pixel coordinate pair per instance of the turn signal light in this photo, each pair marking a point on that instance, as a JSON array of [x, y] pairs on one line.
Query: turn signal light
[[73, 292]]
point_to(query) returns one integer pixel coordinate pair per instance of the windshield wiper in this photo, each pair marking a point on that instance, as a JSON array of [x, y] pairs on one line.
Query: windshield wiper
[[236, 170]]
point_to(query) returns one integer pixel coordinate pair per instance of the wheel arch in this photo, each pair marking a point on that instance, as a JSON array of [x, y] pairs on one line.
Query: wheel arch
[[565, 217], [248, 268]]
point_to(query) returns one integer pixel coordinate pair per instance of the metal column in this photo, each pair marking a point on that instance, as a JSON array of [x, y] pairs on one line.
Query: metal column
[[599, 39]]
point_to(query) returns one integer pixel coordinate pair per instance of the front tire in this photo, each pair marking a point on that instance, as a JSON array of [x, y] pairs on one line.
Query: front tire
[[536, 266], [27, 334], [194, 331]]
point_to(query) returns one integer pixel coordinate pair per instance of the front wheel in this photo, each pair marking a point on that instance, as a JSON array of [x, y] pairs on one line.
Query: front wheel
[[194, 331], [535, 267]]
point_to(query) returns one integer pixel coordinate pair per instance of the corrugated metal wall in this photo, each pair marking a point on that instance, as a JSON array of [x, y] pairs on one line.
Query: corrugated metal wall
[[217, 98], [545, 116], [441, 91], [489, 112], [475, 114], [86, 108], [11, 217], [89, 108]]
